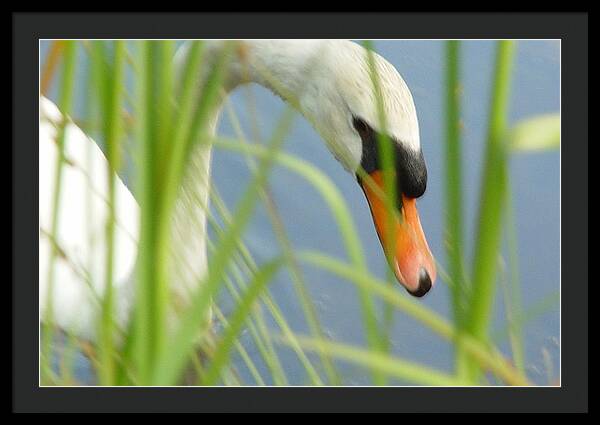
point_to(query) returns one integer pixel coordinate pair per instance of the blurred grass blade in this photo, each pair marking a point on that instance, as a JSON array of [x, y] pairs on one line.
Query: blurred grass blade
[[113, 130], [539, 133], [334, 200], [513, 289], [50, 65], [242, 351], [174, 359], [454, 189], [239, 264], [163, 161], [308, 307], [454, 200], [383, 363], [484, 355], [387, 155], [64, 104], [248, 263], [542, 306], [161, 111], [256, 286], [256, 325], [492, 200], [141, 344], [328, 191]]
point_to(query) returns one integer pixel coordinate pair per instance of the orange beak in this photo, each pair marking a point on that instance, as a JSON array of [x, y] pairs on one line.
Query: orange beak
[[407, 251]]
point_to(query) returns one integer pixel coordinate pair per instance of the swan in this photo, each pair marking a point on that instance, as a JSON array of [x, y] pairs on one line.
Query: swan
[[332, 85]]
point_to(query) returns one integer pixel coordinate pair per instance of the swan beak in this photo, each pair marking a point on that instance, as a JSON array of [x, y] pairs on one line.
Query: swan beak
[[408, 252]]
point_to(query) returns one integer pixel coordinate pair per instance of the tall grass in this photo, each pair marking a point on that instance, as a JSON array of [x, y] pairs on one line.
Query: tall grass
[[492, 199], [171, 118], [65, 104], [454, 195]]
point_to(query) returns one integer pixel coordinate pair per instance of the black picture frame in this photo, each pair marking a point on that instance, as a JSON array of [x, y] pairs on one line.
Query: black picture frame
[[571, 28]]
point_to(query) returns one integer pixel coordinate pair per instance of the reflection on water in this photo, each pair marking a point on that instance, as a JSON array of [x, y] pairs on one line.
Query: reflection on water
[[534, 177]]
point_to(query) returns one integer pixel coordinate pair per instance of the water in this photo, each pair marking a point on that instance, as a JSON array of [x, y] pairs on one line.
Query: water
[[534, 177]]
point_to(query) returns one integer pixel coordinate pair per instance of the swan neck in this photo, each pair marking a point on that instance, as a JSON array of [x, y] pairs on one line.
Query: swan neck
[[279, 65], [282, 66]]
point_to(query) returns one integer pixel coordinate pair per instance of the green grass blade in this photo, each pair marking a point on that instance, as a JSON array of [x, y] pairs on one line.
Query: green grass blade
[[271, 306], [308, 308], [65, 104], [113, 132], [242, 351], [258, 332], [483, 354], [454, 199], [383, 363], [53, 58], [539, 133], [492, 200], [222, 352], [513, 290], [327, 189], [162, 113], [174, 360], [339, 210], [141, 356], [387, 155], [257, 325], [543, 305]]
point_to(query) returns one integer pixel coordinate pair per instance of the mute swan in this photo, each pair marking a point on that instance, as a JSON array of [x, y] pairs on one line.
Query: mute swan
[[332, 84]]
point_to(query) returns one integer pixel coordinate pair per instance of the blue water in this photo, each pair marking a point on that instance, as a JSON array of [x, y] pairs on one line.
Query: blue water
[[534, 178]]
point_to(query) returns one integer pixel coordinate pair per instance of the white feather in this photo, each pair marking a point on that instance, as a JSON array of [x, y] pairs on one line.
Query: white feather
[[80, 269]]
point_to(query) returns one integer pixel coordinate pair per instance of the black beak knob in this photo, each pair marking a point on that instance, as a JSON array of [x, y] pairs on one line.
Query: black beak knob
[[424, 284]]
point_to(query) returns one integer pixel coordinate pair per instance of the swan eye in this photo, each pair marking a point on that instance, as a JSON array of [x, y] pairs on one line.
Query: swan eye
[[361, 127], [411, 172]]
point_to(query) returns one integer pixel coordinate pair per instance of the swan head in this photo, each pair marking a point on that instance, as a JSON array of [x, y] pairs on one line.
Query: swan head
[[331, 84], [342, 104]]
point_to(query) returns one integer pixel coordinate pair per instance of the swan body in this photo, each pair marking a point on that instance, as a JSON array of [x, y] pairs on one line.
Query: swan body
[[331, 85], [80, 272]]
